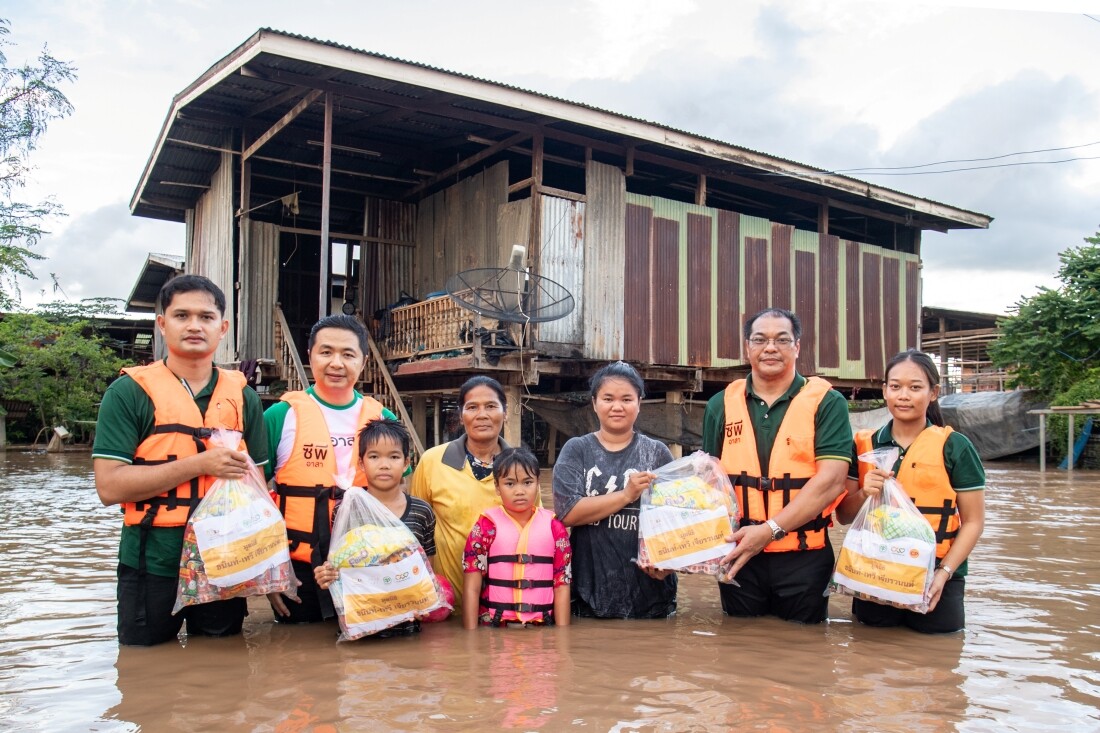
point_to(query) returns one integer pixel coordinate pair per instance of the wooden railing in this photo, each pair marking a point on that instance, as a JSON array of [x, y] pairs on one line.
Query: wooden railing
[[431, 326], [291, 369]]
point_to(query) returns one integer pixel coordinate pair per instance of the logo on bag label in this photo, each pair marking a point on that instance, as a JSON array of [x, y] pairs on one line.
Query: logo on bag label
[[402, 576]]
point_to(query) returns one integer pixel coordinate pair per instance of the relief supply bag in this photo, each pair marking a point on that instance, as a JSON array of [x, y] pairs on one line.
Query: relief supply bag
[[686, 516], [889, 552], [235, 543], [384, 578]]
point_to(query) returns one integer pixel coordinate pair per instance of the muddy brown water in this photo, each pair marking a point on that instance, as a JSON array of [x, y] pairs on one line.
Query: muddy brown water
[[1029, 659]]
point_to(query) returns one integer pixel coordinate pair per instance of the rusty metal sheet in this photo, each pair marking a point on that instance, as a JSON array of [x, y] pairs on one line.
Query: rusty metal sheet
[[853, 309], [828, 340], [637, 289], [607, 284], [728, 300], [756, 275], [259, 290], [874, 361], [912, 303], [892, 316], [807, 310], [665, 292], [781, 266], [700, 312], [562, 260]]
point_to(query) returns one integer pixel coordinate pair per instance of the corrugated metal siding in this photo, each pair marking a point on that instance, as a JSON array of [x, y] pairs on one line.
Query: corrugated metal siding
[[756, 275], [852, 307], [665, 292], [607, 291], [728, 286], [562, 260], [259, 291], [805, 274], [781, 266], [892, 315], [874, 362], [636, 289], [828, 341], [912, 303], [386, 270], [700, 311], [211, 251]]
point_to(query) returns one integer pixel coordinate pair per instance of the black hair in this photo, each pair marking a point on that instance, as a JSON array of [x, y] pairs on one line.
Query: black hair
[[376, 430], [617, 370], [509, 458], [190, 284], [796, 322], [924, 361], [344, 323], [481, 381]]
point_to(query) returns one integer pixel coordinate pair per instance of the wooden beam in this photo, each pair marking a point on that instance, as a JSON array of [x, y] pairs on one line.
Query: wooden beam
[[520, 185], [464, 164], [701, 190], [324, 297], [562, 193], [286, 120], [823, 218], [352, 237], [279, 99]]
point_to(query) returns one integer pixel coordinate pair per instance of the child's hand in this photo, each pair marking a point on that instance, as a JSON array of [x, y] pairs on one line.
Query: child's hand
[[325, 575], [873, 482]]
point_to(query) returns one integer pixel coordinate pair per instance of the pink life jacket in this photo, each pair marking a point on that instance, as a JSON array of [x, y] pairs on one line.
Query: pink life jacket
[[520, 580]]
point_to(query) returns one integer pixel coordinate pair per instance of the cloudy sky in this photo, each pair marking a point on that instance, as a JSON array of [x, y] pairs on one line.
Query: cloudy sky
[[836, 84]]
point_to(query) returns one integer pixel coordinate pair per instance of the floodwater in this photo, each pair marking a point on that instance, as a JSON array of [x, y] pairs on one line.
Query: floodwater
[[1029, 659]]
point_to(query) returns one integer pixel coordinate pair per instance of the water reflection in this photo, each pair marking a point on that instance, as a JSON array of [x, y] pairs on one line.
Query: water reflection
[[1029, 659]]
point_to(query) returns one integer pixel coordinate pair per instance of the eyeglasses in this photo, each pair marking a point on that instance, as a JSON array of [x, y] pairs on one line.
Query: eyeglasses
[[781, 342]]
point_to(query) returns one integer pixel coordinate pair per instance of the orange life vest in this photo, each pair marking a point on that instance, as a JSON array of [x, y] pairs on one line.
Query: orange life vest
[[179, 431], [792, 463], [520, 577], [924, 477], [304, 485]]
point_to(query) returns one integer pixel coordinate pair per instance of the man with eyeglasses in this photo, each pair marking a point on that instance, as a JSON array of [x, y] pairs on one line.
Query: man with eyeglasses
[[785, 442]]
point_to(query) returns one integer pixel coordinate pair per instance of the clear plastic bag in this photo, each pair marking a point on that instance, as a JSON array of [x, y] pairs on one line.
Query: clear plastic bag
[[889, 552], [686, 515], [235, 543], [384, 577]]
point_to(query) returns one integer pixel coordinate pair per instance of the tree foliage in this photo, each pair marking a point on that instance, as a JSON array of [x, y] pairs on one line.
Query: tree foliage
[[63, 365], [1053, 340], [30, 98]]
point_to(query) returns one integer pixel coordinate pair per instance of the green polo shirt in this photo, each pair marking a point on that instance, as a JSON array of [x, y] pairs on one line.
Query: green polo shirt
[[125, 420], [832, 429], [960, 458]]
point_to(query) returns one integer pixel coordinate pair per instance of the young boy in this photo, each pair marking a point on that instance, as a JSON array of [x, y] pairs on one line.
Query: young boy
[[517, 558], [384, 454]]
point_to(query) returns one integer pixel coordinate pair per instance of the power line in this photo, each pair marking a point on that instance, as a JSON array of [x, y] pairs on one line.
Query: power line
[[1090, 17], [965, 160], [983, 167]]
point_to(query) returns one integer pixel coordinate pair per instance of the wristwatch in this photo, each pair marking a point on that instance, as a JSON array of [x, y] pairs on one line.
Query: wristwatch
[[778, 532]]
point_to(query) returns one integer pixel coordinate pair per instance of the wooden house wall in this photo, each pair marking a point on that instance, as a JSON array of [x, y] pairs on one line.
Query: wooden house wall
[[259, 291], [387, 268], [210, 249], [561, 250], [456, 229], [692, 274], [602, 301]]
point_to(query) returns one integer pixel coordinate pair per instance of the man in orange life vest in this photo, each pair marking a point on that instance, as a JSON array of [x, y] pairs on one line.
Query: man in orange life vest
[[313, 436], [785, 442], [152, 455]]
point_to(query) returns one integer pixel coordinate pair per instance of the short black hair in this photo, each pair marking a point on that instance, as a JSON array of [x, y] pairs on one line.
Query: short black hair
[[796, 322], [509, 458], [617, 370], [190, 284], [385, 427], [481, 381], [345, 323]]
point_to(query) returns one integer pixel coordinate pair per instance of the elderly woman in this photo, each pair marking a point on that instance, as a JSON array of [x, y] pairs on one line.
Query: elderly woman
[[456, 478], [598, 480]]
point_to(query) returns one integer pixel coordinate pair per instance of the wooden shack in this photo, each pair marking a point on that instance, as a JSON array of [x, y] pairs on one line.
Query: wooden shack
[[312, 177]]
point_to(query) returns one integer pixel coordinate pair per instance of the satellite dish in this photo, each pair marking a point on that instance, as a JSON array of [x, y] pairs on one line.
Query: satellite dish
[[510, 294]]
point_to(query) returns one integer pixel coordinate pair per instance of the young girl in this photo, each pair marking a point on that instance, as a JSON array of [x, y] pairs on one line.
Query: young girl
[[384, 454], [940, 470], [517, 557]]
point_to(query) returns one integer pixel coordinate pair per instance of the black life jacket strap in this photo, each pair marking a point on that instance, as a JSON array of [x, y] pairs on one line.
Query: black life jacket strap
[[522, 559], [944, 513], [521, 584], [519, 607], [320, 537]]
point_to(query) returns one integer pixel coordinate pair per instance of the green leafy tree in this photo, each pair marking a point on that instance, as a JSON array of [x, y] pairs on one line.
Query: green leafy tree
[[62, 366], [1053, 340], [30, 98]]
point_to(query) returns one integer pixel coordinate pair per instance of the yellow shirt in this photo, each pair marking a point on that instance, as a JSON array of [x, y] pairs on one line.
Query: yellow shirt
[[443, 478]]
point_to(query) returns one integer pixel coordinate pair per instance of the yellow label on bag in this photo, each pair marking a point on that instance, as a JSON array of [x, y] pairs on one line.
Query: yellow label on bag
[[882, 574], [246, 557], [688, 539], [364, 608]]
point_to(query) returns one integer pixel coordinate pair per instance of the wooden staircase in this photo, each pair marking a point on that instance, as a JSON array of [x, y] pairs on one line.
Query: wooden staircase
[[375, 382]]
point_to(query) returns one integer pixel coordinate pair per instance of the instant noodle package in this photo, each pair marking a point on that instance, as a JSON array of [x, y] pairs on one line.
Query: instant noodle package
[[384, 577], [686, 515], [889, 552], [235, 543]]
